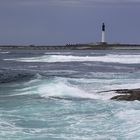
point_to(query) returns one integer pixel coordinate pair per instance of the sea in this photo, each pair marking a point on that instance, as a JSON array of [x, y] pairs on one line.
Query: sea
[[62, 94]]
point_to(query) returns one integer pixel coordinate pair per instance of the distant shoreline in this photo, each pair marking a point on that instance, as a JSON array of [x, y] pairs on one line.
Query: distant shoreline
[[99, 46]]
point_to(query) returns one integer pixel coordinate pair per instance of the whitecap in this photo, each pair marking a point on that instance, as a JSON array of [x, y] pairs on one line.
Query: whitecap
[[62, 88], [4, 52], [124, 59]]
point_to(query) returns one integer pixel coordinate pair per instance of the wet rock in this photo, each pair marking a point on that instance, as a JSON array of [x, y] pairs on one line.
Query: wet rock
[[127, 95]]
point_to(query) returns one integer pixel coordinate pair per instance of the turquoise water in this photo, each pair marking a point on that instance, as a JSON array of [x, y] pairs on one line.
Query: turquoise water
[[60, 95]]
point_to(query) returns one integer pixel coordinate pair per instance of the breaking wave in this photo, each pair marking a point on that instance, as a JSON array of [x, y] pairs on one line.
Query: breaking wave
[[4, 52], [69, 88], [60, 88], [124, 59], [64, 88]]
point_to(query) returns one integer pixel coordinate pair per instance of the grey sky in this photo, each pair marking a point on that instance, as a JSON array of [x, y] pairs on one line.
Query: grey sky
[[68, 21]]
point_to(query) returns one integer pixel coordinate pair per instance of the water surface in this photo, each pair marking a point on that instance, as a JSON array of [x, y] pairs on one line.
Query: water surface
[[60, 95]]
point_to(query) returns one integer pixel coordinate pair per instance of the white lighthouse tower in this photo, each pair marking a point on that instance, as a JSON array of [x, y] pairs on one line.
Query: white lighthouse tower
[[103, 33]]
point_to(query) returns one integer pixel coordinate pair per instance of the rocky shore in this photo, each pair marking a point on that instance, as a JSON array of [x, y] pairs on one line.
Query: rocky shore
[[127, 95]]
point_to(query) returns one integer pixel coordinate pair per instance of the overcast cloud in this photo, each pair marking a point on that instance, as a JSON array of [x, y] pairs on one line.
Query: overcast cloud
[[79, 2], [68, 21], [69, 2]]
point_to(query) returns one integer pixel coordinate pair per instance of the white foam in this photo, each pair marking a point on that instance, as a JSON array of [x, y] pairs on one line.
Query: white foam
[[124, 59], [131, 121], [58, 53], [129, 114], [75, 88], [61, 88], [124, 86], [4, 52]]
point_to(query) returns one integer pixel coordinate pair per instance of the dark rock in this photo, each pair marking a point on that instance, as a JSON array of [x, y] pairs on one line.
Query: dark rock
[[127, 95]]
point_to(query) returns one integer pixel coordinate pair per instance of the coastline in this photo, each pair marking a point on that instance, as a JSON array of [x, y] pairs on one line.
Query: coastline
[[100, 46]]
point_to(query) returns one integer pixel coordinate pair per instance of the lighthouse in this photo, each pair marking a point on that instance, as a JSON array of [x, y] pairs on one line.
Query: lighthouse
[[103, 33]]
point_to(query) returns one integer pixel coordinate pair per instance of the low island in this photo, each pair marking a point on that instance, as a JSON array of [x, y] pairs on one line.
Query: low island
[[90, 46]]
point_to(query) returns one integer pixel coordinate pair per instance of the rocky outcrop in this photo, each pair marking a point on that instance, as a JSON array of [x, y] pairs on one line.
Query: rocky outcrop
[[127, 95]]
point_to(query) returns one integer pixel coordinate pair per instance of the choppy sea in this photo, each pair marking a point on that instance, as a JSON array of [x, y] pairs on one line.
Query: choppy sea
[[60, 95]]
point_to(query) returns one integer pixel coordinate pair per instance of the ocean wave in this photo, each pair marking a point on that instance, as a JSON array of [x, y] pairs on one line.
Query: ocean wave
[[58, 53], [130, 118], [69, 88], [4, 52], [125, 85], [7, 76], [59, 89], [62, 88], [110, 58]]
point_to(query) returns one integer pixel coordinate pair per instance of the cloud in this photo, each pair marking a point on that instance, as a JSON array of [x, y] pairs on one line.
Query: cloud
[[84, 2], [98, 1], [75, 3]]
